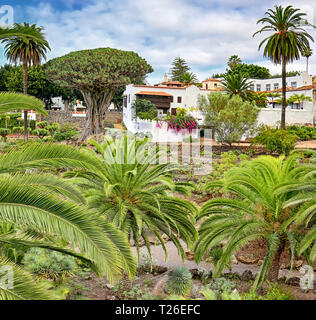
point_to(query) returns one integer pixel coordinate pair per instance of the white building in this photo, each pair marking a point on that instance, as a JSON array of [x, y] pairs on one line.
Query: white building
[[301, 80], [168, 96]]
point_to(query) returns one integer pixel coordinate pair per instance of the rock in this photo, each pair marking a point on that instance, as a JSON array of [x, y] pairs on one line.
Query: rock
[[159, 288], [260, 262], [234, 260], [247, 258], [294, 281], [165, 237], [109, 286], [298, 264], [159, 269], [190, 255], [247, 276], [112, 298]]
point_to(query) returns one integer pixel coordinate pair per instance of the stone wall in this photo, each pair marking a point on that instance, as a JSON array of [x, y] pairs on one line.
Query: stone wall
[[64, 116]]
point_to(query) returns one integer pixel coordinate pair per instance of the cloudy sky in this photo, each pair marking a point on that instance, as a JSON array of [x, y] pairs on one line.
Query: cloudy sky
[[204, 32]]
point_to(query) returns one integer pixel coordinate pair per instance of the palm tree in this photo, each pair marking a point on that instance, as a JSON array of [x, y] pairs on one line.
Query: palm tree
[[287, 43], [233, 61], [24, 44], [44, 209], [307, 54], [263, 206], [299, 99], [188, 78], [124, 188], [237, 84]]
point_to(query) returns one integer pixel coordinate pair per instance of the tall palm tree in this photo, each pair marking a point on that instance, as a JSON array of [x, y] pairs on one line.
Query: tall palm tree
[[237, 84], [287, 43], [124, 186], [307, 54], [265, 206], [24, 44]]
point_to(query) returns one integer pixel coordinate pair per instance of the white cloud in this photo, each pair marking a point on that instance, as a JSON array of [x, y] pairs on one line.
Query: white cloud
[[205, 33]]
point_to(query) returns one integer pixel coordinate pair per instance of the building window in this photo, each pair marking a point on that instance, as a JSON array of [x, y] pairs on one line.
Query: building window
[[294, 84], [125, 101], [206, 86], [268, 87], [258, 87], [179, 99], [215, 85], [276, 86], [252, 87], [171, 99], [129, 98]]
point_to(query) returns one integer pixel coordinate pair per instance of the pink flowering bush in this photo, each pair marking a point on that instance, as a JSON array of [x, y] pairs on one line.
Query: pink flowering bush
[[179, 123]]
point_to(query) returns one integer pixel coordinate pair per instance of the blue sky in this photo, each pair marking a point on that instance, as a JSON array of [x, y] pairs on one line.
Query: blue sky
[[204, 32]]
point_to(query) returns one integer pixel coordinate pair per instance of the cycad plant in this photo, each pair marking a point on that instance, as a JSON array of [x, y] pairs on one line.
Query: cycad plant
[[48, 212], [18, 101], [264, 204], [123, 185]]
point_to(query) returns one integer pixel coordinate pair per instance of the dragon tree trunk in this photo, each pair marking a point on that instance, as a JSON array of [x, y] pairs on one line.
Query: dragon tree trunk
[[97, 105]]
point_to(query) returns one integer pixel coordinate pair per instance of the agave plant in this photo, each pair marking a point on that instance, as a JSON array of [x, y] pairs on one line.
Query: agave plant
[[122, 185], [179, 281], [265, 205]]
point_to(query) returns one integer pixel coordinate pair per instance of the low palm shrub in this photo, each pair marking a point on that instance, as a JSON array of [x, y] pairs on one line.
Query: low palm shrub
[[271, 199]]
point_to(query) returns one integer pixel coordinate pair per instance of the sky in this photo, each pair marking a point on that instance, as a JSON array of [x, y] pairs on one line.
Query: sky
[[203, 32]]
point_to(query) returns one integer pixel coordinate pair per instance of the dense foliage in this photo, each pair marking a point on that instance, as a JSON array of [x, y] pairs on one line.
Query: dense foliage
[[232, 118]]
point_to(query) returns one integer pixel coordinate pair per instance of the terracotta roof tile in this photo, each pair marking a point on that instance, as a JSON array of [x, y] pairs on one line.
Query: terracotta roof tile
[[154, 93]]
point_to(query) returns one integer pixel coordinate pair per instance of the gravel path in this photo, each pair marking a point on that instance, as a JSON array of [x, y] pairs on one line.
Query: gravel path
[[175, 260]]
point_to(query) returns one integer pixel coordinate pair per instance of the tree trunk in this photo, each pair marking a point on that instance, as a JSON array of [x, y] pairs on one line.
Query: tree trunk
[[273, 274], [283, 93], [25, 92], [97, 105], [307, 64]]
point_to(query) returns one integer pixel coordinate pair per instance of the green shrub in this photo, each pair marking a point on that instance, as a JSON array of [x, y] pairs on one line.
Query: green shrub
[[220, 286], [179, 281], [65, 136], [42, 124], [18, 130], [149, 115], [303, 133], [275, 292], [10, 120], [33, 124], [4, 133], [41, 133], [276, 140], [49, 264], [211, 295], [53, 128]]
